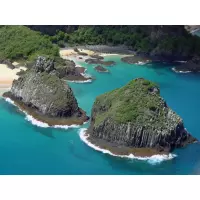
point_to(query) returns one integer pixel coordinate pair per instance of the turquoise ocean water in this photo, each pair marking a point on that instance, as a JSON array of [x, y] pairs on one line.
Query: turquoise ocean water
[[29, 149]]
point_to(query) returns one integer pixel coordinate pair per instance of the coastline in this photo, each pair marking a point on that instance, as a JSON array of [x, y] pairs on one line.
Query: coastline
[[106, 49], [45, 121], [122, 51], [101, 50], [35, 122], [7, 76], [84, 78], [152, 157]]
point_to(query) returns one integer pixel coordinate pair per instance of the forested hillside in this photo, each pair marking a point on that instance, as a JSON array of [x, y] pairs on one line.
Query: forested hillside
[[168, 41], [26, 42], [20, 42]]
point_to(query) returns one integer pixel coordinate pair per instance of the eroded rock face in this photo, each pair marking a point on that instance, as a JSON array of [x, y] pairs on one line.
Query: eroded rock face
[[42, 64], [136, 116], [44, 92], [47, 93]]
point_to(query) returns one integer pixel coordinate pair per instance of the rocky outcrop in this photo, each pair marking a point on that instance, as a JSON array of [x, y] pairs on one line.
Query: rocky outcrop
[[8, 63], [136, 117], [45, 96], [136, 59], [99, 68], [67, 71], [100, 62], [96, 56], [191, 66]]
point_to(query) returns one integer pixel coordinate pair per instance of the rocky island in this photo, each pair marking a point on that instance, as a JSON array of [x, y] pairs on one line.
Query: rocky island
[[136, 59], [136, 120], [99, 61], [69, 71], [99, 68], [41, 93]]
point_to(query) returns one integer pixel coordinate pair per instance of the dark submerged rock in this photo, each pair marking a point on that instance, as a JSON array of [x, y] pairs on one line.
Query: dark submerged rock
[[192, 65], [99, 68], [135, 59], [135, 119], [96, 56], [82, 53], [100, 62]]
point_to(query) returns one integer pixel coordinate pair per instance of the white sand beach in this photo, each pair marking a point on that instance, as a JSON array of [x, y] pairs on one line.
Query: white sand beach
[[71, 52], [7, 76]]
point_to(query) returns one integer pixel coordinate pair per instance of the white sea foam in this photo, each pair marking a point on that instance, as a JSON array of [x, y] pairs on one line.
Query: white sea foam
[[141, 63], [78, 65], [10, 101], [39, 123], [70, 126], [183, 72], [66, 127], [109, 54], [86, 75], [35, 121], [155, 159], [86, 81]]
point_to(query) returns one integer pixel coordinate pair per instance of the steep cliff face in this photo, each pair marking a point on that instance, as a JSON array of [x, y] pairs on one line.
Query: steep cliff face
[[45, 93], [136, 116]]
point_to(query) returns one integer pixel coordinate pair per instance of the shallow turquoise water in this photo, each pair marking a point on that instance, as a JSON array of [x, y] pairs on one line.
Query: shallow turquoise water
[[28, 149]]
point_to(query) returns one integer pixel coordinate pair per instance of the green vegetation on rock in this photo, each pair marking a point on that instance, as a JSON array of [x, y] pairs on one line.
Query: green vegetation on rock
[[136, 102], [136, 116]]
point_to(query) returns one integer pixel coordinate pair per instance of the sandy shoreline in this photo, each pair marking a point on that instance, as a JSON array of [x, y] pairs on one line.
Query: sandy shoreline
[[7, 76], [101, 50], [70, 52], [106, 49]]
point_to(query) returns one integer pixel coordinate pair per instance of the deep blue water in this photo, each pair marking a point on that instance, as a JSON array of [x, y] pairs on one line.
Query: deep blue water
[[28, 149]]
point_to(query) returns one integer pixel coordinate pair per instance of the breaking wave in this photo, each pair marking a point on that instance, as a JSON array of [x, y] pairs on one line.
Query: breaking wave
[[39, 123], [86, 81], [155, 159]]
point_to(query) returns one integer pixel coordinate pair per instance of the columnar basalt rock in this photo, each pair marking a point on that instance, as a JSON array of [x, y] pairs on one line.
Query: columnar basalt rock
[[136, 116]]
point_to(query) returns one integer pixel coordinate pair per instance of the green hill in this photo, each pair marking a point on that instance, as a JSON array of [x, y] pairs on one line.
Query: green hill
[[22, 43]]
